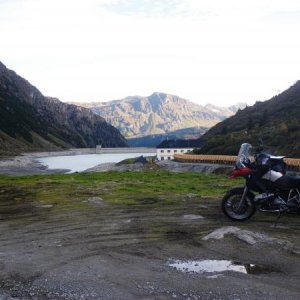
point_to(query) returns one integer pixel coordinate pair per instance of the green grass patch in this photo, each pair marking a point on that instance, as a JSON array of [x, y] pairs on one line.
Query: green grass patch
[[146, 189]]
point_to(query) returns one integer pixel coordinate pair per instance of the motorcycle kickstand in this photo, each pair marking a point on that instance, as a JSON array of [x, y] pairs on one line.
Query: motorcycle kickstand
[[277, 219]]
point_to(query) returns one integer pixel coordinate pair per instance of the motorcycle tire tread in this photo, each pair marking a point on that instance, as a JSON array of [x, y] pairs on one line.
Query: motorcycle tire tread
[[234, 191]]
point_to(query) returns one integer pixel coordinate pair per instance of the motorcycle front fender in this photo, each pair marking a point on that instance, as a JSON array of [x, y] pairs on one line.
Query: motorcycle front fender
[[243, 172]]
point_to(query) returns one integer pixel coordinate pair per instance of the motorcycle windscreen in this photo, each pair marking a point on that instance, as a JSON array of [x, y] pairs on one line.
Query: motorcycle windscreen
[[244, 154]]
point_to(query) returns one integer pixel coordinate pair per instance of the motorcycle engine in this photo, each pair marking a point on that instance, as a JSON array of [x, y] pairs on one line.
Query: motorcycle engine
[[270, 202]]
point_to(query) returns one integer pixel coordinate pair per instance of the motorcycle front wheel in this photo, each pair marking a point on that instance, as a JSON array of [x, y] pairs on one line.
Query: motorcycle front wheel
[[231, 205]]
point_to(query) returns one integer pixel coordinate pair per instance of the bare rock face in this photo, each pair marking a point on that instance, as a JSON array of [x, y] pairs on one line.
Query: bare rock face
[[31, 121], [159, 113]]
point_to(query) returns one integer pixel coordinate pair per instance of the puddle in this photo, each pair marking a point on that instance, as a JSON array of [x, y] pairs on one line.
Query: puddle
[[219, 266]]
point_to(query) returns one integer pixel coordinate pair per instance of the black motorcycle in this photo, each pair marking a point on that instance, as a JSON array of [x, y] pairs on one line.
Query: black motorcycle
[[268, 187]]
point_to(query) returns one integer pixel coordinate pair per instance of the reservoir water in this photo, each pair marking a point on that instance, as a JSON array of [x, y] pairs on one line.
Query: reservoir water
[[79, 163]]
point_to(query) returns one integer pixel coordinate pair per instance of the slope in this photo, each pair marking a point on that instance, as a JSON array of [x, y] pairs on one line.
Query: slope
[[30, 121], [276, 121]]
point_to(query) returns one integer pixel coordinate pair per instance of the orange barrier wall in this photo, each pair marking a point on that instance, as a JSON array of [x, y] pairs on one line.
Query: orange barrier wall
[[293, 164]]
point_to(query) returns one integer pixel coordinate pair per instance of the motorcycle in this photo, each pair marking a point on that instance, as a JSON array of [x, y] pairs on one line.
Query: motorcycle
[[267, 187]]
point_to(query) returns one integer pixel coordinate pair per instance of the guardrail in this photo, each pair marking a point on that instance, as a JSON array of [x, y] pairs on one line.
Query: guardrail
[[293, 164]]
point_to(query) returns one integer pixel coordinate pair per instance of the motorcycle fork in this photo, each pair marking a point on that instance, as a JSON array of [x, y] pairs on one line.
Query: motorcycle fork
[[243, 197]]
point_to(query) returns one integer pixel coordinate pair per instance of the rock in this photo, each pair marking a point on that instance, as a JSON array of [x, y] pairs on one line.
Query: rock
[[296, 251], [174, 166], [141, 160], [219, 233], [113, 167], [46, 206], [190, 196], [247, 236], [97, 201], [254, 237], [192, 217], [250, 237]]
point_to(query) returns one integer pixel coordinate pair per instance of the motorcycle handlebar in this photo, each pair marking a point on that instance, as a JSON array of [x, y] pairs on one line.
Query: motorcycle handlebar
[[259, 150]]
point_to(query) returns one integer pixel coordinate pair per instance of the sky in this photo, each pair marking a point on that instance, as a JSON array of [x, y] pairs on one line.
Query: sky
[[206, 51]]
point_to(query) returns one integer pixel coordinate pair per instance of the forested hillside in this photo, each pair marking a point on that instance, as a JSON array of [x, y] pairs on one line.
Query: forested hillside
[[276, 121]]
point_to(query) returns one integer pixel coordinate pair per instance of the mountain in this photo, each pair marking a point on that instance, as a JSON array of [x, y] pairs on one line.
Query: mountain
[[225, 112], [157, 114], [276, 121], [30, 121], [155, 139]]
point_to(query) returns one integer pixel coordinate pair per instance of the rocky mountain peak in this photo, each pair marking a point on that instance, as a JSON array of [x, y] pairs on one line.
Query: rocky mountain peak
[[158, 113]]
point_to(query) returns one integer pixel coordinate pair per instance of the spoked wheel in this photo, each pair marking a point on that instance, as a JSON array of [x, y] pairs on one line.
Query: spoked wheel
[[233, 209]]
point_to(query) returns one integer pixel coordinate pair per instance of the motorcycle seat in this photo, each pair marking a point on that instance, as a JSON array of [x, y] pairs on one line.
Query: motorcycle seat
[[288, 182], [276, 157]]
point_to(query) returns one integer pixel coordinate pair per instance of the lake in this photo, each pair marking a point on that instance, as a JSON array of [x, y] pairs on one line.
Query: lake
[[79, 163]]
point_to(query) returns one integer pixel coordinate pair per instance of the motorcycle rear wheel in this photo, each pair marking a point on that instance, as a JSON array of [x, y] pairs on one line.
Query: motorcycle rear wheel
[[230, 205]]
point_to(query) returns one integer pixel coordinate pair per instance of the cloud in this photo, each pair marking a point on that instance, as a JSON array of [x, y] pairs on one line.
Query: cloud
[[143, 8], [106, 49]]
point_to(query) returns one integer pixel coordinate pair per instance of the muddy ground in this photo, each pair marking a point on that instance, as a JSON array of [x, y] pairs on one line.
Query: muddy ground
[[118, 252]]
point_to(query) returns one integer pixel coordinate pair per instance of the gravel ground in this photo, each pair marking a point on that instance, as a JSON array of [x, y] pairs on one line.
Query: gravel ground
[[113, 252]]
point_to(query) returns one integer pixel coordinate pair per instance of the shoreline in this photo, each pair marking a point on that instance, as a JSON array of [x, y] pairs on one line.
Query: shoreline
[[27, 164], [97, 150]]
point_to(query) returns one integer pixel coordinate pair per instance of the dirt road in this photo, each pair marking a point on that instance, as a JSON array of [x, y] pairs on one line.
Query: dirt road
[[136, 252]]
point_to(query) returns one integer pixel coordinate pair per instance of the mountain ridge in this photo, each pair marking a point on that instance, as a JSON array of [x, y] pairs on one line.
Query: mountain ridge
[[30, 121], [276, 121], [159, 113]]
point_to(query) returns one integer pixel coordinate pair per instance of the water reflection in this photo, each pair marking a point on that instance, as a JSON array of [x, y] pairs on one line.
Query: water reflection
[[218, 266]]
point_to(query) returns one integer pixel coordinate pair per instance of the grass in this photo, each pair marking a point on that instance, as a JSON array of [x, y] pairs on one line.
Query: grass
[[149, 188]]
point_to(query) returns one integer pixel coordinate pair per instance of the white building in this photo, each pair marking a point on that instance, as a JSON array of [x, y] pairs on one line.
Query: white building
[[168, 153], [166, 149]]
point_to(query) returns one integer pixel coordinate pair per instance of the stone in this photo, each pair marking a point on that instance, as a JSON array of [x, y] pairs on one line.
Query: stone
[[192, 217]]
